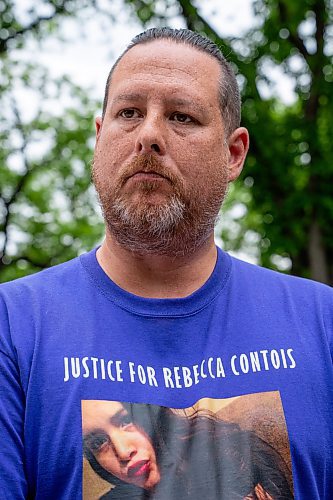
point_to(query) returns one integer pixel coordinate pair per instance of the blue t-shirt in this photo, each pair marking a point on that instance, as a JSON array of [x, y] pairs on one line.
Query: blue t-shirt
[[250, 352]]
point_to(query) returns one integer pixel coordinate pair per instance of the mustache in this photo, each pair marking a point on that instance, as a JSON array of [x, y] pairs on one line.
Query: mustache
[[147, 164]]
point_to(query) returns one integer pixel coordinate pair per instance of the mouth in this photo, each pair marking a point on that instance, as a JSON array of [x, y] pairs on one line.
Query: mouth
[[139, 469], [151, 175]]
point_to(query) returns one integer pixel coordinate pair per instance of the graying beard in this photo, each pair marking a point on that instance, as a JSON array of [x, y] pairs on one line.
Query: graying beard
[[163, 229], [159, 230], [155, 221]]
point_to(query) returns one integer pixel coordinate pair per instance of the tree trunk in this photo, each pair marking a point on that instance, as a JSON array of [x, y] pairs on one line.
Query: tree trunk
[[317, 255]]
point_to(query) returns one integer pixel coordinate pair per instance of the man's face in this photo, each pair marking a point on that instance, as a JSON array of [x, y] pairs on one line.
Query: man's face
[[118, 444], [161, 158]]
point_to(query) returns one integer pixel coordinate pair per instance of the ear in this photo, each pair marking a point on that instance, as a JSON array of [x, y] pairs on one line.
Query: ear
[[238, 143], [98, 127]]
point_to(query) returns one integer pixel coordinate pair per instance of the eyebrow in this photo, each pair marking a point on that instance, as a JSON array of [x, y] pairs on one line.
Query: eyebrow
[[186, 102], [175, 101], [116, 418], [94, 437], [128, 97]]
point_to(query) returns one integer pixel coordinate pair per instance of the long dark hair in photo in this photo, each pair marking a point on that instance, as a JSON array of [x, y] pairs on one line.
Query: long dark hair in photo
[[201, 457]]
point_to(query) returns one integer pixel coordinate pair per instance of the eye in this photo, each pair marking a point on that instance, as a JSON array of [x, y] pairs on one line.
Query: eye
[[181, 118], [126, 421], [129, 113], [96, 441]]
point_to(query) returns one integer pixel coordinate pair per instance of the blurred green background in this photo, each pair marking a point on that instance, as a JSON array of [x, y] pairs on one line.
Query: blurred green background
[[279, 214]]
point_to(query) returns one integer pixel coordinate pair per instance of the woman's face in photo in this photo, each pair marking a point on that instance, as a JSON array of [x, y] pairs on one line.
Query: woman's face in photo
[[120, 447]]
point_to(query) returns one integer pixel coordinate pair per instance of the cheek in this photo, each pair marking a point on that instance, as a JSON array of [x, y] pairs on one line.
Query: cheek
[[109, 462], [143, 443], [199, 151], [106, 162], [116, 140]]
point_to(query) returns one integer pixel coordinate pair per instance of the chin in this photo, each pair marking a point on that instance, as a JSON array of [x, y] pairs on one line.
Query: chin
[[152, 480]]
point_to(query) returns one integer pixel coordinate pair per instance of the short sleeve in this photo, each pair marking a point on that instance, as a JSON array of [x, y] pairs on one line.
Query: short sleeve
[[13, 483], [328, 318]]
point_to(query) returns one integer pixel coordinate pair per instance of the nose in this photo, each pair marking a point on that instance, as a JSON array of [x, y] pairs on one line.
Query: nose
[[123, 447], [151, 136]]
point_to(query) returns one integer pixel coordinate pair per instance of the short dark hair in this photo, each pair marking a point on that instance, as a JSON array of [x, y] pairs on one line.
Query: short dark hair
[[229, 97]]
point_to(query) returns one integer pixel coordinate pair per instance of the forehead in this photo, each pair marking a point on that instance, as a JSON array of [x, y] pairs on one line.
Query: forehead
[[98, 413], [168, 66]]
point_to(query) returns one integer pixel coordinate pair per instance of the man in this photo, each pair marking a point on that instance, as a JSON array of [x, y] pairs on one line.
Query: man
[[157, 315]]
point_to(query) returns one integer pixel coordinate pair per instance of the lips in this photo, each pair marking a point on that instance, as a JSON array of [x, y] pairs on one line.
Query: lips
[[150, 175], [139, 469]]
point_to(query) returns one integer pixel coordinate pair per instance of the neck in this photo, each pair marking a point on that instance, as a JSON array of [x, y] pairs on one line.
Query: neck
[[157, 276]]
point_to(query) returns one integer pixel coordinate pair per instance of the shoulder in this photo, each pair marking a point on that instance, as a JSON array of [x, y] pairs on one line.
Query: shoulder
[[51, 280], [25, 299], [283, 294], [41, 298], [259, 277]]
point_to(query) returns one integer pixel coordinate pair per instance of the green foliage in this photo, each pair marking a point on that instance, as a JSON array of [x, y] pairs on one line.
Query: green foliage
[[48, 210], [47, 205], [40, 18], [292, 145]]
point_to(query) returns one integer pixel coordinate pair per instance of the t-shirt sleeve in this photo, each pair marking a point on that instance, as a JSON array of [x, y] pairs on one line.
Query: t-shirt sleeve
[[13, 483], [328, 320]]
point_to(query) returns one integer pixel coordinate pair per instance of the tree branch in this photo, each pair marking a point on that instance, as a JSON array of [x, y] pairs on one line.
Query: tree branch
[[293, 37], [22, 180], [34, 25], [193, 18]]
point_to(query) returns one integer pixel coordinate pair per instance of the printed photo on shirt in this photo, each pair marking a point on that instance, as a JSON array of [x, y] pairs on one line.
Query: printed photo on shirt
[[218, 449]]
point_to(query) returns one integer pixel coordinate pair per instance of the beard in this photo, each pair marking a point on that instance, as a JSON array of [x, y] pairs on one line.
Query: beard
[[178, 226]]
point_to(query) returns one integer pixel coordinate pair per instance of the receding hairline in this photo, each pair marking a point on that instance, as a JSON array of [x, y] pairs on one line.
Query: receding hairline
[[162, 41], [226, 80], [169, 41]]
